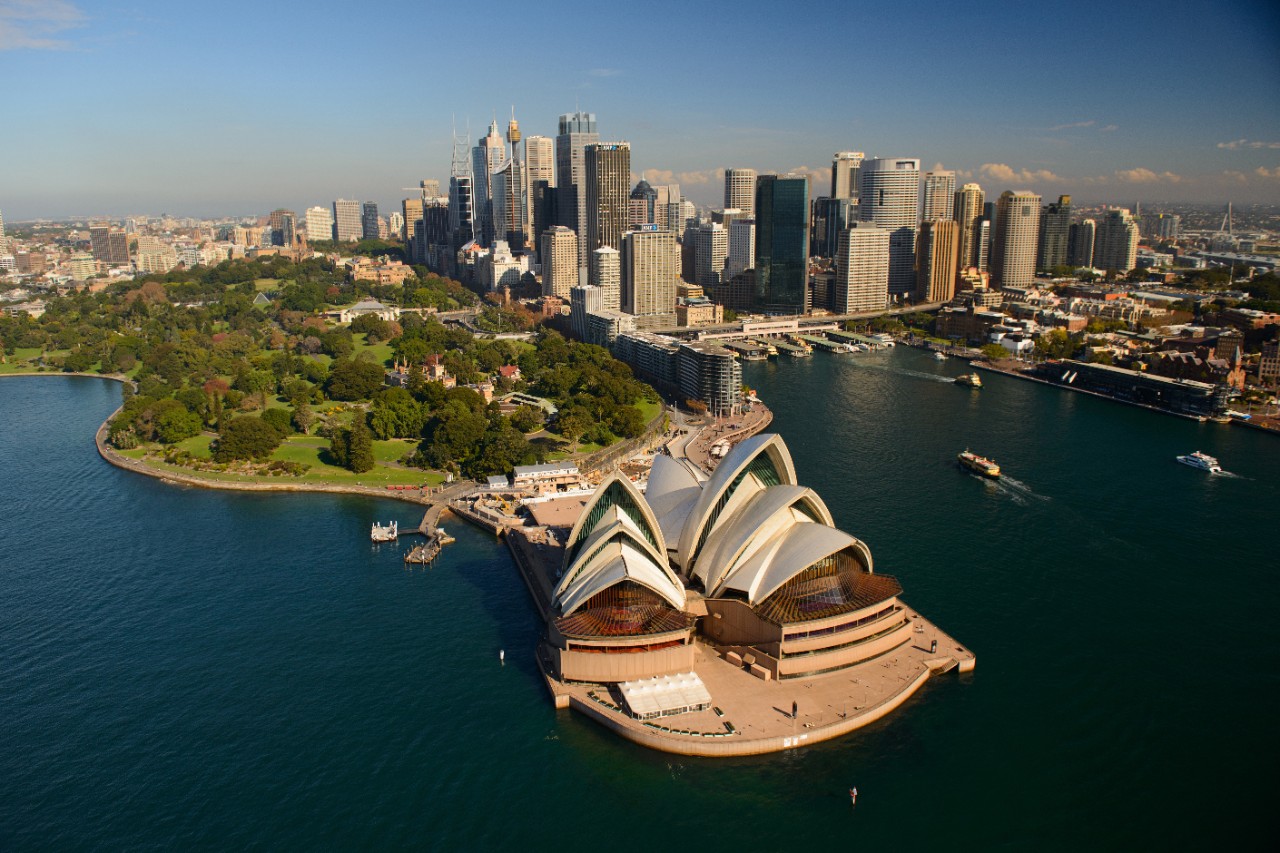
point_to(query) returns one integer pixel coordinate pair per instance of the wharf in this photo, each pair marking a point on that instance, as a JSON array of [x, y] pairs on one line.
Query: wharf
[[1018, 374], [791, 349], [824, 343]]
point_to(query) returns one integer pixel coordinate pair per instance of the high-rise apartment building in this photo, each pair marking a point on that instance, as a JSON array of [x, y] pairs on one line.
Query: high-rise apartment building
[[1115, 242], [862, 269], [936, 260], [319, 223], [1160, 226], [1080, 243], [606, 270], [845, 167], [369, 220], [347, 225], [968, 215], [1055, 232], [559, 255], [782, 244], [711, 250], [650, 271], [740, 190], [577, 131], [939, 196], [608, 179], [109, 245], [889, 196], [1013, 250], [410, 212]]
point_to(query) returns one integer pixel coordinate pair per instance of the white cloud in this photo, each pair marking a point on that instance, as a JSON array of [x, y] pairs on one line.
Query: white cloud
[[1069, 125], [604, 72], [1142, 175], [32, 24], [1006, 173], [1247, 143], [1109, 128], [1264, 172]]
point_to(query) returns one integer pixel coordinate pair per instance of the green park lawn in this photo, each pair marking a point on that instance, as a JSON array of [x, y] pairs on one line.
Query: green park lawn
[[310, 450], [381, 352]]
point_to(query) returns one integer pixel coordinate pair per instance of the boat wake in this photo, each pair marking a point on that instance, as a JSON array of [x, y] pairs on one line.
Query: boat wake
[[1019, 490], [932, 377], [1016, 490]]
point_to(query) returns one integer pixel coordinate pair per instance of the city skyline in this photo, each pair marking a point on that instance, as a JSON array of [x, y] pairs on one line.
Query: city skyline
[[1124, 105]]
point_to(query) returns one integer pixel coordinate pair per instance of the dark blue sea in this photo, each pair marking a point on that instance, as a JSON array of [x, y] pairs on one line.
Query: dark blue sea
[[190, 669]]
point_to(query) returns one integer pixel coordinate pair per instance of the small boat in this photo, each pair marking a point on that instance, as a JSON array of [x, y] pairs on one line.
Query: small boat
[[979, 464], [939, 355], [384, 533], [1203, 461], [973, 380]]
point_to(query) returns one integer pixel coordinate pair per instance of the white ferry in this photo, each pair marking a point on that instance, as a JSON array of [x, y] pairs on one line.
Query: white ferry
[[1203, 461]]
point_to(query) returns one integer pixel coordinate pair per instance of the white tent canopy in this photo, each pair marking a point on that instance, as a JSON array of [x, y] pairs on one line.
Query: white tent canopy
[[665, 695]]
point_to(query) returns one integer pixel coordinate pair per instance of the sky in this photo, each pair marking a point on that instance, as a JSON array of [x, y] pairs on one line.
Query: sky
[[236, 108]]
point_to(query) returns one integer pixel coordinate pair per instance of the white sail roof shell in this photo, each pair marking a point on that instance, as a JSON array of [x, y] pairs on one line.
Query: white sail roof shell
[[783, 556], [738, 459], [764, 514], [672, 491], [618, 561]]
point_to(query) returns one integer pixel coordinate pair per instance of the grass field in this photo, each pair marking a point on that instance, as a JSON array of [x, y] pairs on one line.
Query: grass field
[[312, 450], [381, 352]]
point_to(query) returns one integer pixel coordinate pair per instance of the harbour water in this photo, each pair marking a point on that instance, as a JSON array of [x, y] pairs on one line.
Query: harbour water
[[182, 668]]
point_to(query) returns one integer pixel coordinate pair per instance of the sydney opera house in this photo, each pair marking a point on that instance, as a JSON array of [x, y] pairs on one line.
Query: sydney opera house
[[747, 563]]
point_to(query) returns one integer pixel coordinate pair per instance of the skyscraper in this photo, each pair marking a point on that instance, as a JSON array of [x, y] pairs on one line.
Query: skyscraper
[[862, 269], [830, 217], [742, 247], [606, 269], [1115, 243], [939, 192], [1080, 243], [650, 270], [642, 207], [845, 167], [936, 260], [889, 196], [740, 190], [319, 222], [369, 220], [346, 220], [577, 131], [540, 159], [486, 158], [1013, 253], [1055, 227], [559, 254], [608, 180], [711, 250], [667, 208], [782, 243], [510, 205], [968, 214]]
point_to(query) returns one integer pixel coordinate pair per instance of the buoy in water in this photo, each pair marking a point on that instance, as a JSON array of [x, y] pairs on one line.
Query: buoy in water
[[502, 655]]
